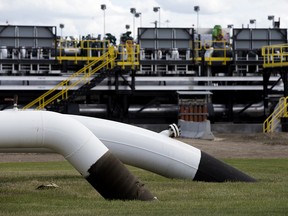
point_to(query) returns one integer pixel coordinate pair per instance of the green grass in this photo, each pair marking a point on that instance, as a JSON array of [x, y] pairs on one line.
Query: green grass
[[75, 196]]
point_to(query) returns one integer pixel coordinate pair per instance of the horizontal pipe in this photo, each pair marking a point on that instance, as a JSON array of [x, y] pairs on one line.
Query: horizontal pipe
[[254, 110], [78, 145], [101, 109]]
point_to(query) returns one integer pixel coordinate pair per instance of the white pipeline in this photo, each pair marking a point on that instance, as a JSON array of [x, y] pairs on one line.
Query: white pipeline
[[152, 151], [135, 146], [145, 149]]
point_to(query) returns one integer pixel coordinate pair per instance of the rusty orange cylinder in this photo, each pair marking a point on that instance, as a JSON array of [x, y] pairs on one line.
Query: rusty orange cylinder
[[186, 116], [191, 113], [200, 113], [182, 110], [205, 112], [195, 113]]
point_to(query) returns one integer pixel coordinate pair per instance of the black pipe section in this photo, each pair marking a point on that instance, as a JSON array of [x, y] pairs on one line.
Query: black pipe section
[[213, 170], [114, 181]]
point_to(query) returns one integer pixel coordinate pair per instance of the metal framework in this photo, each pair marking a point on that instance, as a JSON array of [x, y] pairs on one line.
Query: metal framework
[[245, 73]]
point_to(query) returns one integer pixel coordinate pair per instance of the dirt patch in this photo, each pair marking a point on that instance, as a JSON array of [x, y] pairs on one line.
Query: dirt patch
[[256, 145]]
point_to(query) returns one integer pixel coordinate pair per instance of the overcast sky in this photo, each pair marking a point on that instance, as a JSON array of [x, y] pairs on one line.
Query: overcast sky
[[82, 17]]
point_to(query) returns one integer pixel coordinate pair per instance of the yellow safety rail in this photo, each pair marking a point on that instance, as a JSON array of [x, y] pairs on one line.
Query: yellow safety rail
[[81, 50], [274, 119], [209, 46], [83, 75], [275, 56], [128, 54]]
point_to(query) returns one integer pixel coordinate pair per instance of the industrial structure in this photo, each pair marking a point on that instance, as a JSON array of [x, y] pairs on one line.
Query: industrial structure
[[166, 74]]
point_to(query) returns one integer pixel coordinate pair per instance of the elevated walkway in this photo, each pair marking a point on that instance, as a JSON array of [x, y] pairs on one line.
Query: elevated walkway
[[83, 80], [215, 52]]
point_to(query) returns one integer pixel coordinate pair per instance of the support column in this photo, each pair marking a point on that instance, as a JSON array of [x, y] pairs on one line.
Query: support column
[[266, 77], [285, 81]]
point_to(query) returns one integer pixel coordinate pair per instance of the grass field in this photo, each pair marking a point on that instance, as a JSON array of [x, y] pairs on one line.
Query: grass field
[[75, 196]]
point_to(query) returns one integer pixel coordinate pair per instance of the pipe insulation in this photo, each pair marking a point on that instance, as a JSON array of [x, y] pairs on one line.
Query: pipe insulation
[[159, 153], [78, 145]]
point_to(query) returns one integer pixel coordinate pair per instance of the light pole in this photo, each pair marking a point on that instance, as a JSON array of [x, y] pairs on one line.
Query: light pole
[[61, 25], [103, 7], [197, 9], [253, 21], [133, 12], [271, 17], [167, 22], [230, 26], [139, 15], [157, 9]]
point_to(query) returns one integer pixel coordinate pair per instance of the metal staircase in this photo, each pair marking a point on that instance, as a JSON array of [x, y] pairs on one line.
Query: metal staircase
[[276, 57], [60, 105], [60, 91], [273, 121]]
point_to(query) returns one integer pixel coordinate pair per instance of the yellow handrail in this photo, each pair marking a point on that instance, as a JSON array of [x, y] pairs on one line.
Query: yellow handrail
[[129, 50], [275, 55], [273, 120], [208, 45], [64, 92], [81, 50], [42, 101], [129, 54]]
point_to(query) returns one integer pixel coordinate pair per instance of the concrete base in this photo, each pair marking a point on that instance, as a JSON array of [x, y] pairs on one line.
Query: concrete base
[[196, 130], [236, 128]]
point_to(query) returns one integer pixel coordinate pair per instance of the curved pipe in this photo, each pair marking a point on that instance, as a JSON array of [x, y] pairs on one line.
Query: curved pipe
[[159, 153], [172, 131], [70, 138]]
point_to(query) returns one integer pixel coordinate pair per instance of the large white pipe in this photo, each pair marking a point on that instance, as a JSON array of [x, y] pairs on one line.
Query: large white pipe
[[70, 138], [159, 153], [145, 149]]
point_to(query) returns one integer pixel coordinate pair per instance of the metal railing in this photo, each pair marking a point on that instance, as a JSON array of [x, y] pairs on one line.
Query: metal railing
[[128, 55], [275, 56], [81, 50], [213, 46], [271, 123], [63, 87], [90, 50]]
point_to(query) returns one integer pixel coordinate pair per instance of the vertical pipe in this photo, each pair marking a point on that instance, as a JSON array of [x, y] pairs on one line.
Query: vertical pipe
[[195, 113], [191, 112], [200, 115], [186, 116], [181, 111], [205, 112]]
